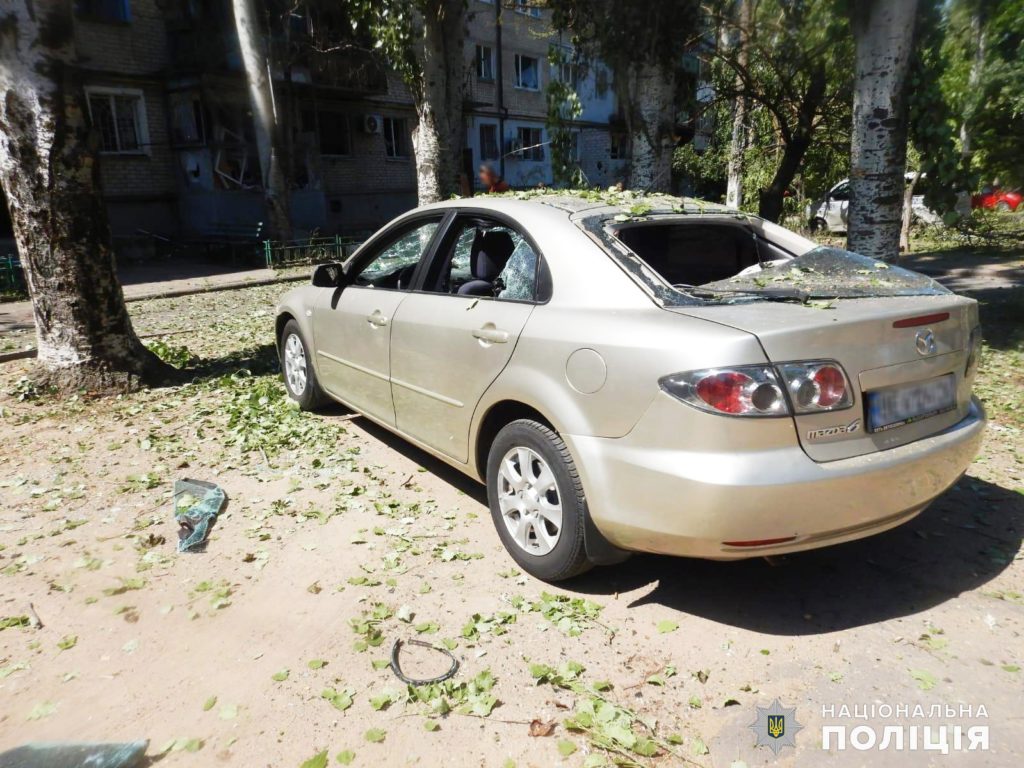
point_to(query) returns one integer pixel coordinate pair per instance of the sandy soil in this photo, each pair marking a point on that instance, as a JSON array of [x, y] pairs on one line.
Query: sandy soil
[[333, 521]]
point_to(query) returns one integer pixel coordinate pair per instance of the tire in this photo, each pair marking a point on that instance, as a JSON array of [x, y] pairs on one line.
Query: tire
[[529, 508], [1003, 207], [818, 225], [297, 369]]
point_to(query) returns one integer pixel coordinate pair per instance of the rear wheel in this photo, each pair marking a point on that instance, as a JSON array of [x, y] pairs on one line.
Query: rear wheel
[[536, 500], [818, 225], [1003, 207], [297, 367]]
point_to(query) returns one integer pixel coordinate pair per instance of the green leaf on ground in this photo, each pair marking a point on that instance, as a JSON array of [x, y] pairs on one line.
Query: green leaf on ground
[[319, 760], [925, 680], [67, 642], [345, 757], [566, 747], [376, 735], [340, 700], [209, 703], [41, 710], [280, 677], [667, 625], [316, 663]]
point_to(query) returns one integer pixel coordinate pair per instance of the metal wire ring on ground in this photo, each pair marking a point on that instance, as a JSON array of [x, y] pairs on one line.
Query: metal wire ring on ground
[[396, 667]]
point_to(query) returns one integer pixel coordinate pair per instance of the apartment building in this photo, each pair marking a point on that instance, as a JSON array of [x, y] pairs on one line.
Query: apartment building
[[166, 92], [509, 60]]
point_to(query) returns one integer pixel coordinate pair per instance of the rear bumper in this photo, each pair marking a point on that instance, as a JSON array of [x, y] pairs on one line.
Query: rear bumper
[[647, 494]]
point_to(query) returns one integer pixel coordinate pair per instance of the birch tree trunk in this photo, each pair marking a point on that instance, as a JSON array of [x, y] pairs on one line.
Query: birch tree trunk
[[884, 35], [649, 116], [438, 138], [908, 212], [738, 142], [50, 176], [973, 80], [266, 125]]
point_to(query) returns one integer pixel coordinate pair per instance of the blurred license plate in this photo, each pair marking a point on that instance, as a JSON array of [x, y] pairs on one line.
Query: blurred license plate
[[907, 403]]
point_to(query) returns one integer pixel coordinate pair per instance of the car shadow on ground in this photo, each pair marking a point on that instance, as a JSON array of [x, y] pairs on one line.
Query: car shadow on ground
[[964, 540], [969, 536]]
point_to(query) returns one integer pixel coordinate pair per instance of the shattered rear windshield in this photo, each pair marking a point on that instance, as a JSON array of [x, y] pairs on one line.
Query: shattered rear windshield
[[762, 270], [827, 272]]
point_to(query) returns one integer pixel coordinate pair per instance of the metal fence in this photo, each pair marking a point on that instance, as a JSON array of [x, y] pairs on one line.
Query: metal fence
[[12, 278], [312, 250]]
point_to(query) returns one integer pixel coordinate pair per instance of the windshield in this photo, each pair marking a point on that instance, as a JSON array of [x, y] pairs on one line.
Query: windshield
[[721, 259], [832, 273]]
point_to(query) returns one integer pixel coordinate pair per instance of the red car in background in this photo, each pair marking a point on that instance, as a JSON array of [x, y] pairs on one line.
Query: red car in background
[[997, 199]]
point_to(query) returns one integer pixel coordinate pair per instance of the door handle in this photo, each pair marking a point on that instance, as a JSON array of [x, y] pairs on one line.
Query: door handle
[[491, 335], [377, 319]]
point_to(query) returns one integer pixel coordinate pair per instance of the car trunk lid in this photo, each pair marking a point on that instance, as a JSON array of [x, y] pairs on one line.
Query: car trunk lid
[[883, 344]]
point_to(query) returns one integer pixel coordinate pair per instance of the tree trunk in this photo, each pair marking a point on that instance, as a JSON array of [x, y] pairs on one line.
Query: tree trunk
[[795, 143], [973, 79], [650, 117], [266, 125], [908, 213], [738, 142], [772, 199], [439, 134], [50, 176], [884, 35]]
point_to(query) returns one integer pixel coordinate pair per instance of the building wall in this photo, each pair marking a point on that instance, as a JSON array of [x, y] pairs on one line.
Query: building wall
[[172, 190], [130, 57]]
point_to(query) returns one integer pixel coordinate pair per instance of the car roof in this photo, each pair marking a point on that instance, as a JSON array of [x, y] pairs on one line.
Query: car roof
[[581, 205]]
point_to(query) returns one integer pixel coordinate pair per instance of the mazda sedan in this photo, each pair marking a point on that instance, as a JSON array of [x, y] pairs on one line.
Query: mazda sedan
[[646, 373]]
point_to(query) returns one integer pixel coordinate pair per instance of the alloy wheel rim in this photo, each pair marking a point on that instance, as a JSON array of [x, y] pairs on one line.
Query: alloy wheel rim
[[528, 498], [295, 364]]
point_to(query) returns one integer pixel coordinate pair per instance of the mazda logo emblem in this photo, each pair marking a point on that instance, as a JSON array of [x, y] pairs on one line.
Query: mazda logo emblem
[[925, 342]]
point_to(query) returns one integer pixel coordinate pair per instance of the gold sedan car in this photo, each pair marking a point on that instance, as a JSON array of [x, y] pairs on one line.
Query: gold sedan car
[[646, 374]]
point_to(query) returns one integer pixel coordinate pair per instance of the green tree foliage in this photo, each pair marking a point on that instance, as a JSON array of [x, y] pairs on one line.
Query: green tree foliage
[[564, 106], [797, 80], [643, 44], [992, 107], [932, 121]]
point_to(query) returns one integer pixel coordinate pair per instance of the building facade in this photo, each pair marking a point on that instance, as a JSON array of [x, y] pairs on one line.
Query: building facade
[[169, 101]]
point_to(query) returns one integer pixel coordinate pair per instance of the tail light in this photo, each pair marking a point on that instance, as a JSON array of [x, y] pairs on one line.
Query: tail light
[[816, 385], [763, 390], [973, 353], [746, 390]]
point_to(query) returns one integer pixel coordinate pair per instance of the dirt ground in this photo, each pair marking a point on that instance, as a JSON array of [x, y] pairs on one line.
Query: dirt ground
[[271, 646]]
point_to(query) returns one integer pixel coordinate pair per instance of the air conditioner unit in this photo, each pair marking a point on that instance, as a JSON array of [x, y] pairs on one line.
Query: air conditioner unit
[[372, 123]]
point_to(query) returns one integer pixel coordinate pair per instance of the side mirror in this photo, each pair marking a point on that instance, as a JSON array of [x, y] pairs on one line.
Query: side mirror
[[329, 275]]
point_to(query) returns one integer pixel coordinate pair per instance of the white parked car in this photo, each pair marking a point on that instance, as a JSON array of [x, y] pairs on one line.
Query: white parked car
[[646, 374], [830, 214]]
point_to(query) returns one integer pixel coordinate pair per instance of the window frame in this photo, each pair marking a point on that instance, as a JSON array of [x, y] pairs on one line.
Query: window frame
[[497, 142], [518, 61], [398, 140], [481, 59], [536, 154], [618, 139], [141, 122], [444, 243], [371, 250]]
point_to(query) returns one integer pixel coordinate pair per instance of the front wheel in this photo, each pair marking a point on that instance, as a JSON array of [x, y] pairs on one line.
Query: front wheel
[[536, 500], [1003, 207], [297, 367]]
